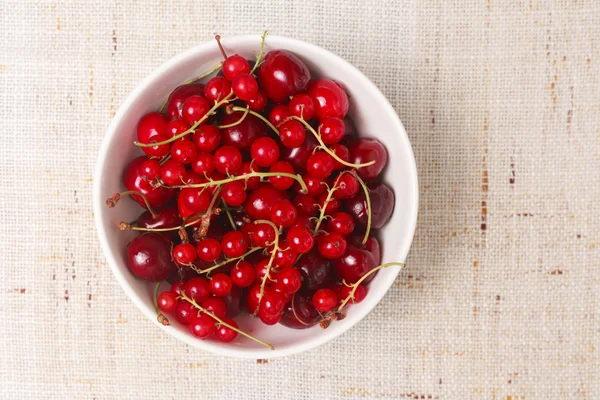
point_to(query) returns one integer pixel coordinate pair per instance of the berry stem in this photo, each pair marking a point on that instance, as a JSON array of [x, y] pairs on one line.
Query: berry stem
[[210, 112], [271, 259], [245, 177], [355, 285], [229, 217], [326, 202], [239, 121], [227, 261], [368, 200], [114, 199], [205, 220], [327, 149], [218, 39], [260, 55], [220, 321], [159, 316], [257, 115], [124, 226]]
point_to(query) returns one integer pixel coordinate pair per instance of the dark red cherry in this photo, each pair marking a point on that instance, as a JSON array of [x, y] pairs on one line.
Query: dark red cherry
[[364, 150], [181, 94], [382, 206], [372, 246], [300, 313], [329, 98], [151, 125], [149, 257], [134, 179], [234, 301], [164, 218], [235, 66], [243, 134], [354, 264], [317, 272], [259, 201], [282, 74], [305, 204]]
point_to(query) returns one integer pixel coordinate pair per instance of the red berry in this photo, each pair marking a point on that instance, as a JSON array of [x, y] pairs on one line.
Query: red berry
[[292, 134], [167, 302], [272, 302], [158, 150], [264, 152], [235, 66], [176, 127], [227, 159], [194, 108], [285, 256], [359, 294], [259, 202], [300, 239], [315, 186], [319, 165], [216, 89], [171, 173], [342, 223], [184, 254], [258, 102], [263, 235], [197, 289], [216, 306], [302, 106], [242, 274], [234, 244], [226, 334], [220, 284], [185, 312], [332, 130], [333, 205], [289, 280], [208, 249], [269, 319], [324, 300], [247, 168], [242, 134], [329, 98], [179, 95], [278, 114], [150, 169], [332, 245], [202, 326], [342, 152], [244, 86], [151, 125], [365, 150], [305, 204], [283, 213], [176, 288], [183, 151], [203, 164], [234, 193], [281, 182], [252, 298], [149, 257], [347, 186], [194, 199], [207, 138]]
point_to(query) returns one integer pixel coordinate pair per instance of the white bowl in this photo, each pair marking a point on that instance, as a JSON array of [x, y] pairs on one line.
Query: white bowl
[[373, 116]]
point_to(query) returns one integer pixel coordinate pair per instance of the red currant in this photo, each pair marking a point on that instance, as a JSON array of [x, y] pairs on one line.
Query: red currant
[[185, 312], [342, 152], [203, 164], [292, 134], [300, 239], [319, 165], [324, 300], [281, 182], [167, 302], [242, 274], [215, 306], [207, 138], [264, 152], [289, 280], [302, 106], [226, 334], [347, 186], [285, 256], [332, 130], [202, 326], [172, 173], [184, 254], [305, 204], [283, 213], [194, 108], [269, 319], [258, 102], [263, 235], [220, 284], [235, 66], [342, 223], [197, 289], [332, 245], [278, 114], [208, 249], [176, 127], [248, 168], [244, 86], [216, 89], [272, 302], [234, 244], [183, 151], [234, 193], [228, 159], [359, 294]]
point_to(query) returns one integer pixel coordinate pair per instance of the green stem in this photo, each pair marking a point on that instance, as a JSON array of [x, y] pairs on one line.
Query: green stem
[[220, 321], [271, 259], [327, 149], [227, 261], [257, 115], [156, 297], [229, 217], [326, 202], [210, 112], [262, 52], [368, 200], [261, 175], [239, 121], [355, 285]]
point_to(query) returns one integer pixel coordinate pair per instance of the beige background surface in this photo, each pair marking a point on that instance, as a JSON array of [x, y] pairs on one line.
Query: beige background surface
[[501, 297]]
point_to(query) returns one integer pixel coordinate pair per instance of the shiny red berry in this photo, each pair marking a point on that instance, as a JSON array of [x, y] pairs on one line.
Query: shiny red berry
[[208, 249], [292, 134], [183, 151], [283, 213], [234, 193], [215, 306], [289, 280], [342, 223], [207, 138], [203, 164], [331, 245], [226, 334], [234, 244], [319, 165], [278, 114], [302, 106], [244, 86], [216, 89], [332, 130], [202, 326], [359, 294], [184, 254], [281, 182], [167, 302], [220, 284], [194, 108], [242, 274], [235, 66], [227, 159], [324, 300], [300, 239], [264, 151]]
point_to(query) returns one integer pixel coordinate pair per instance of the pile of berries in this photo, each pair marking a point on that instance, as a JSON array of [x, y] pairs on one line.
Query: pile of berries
[[259, 198]]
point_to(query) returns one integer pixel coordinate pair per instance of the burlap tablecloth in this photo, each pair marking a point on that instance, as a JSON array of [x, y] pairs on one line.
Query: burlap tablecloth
[[501, 100]]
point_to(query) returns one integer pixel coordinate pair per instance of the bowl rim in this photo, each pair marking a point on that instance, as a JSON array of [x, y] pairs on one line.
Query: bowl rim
[[98, 203]]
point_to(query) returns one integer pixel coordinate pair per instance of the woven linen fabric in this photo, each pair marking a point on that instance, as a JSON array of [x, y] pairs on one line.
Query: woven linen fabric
[[500, 300]]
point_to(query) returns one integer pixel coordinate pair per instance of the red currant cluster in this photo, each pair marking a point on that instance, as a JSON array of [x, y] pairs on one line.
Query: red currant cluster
[[259, 195]]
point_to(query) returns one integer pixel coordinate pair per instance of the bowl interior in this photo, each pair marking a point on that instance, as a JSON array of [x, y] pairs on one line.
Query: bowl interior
[[372, 115]]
